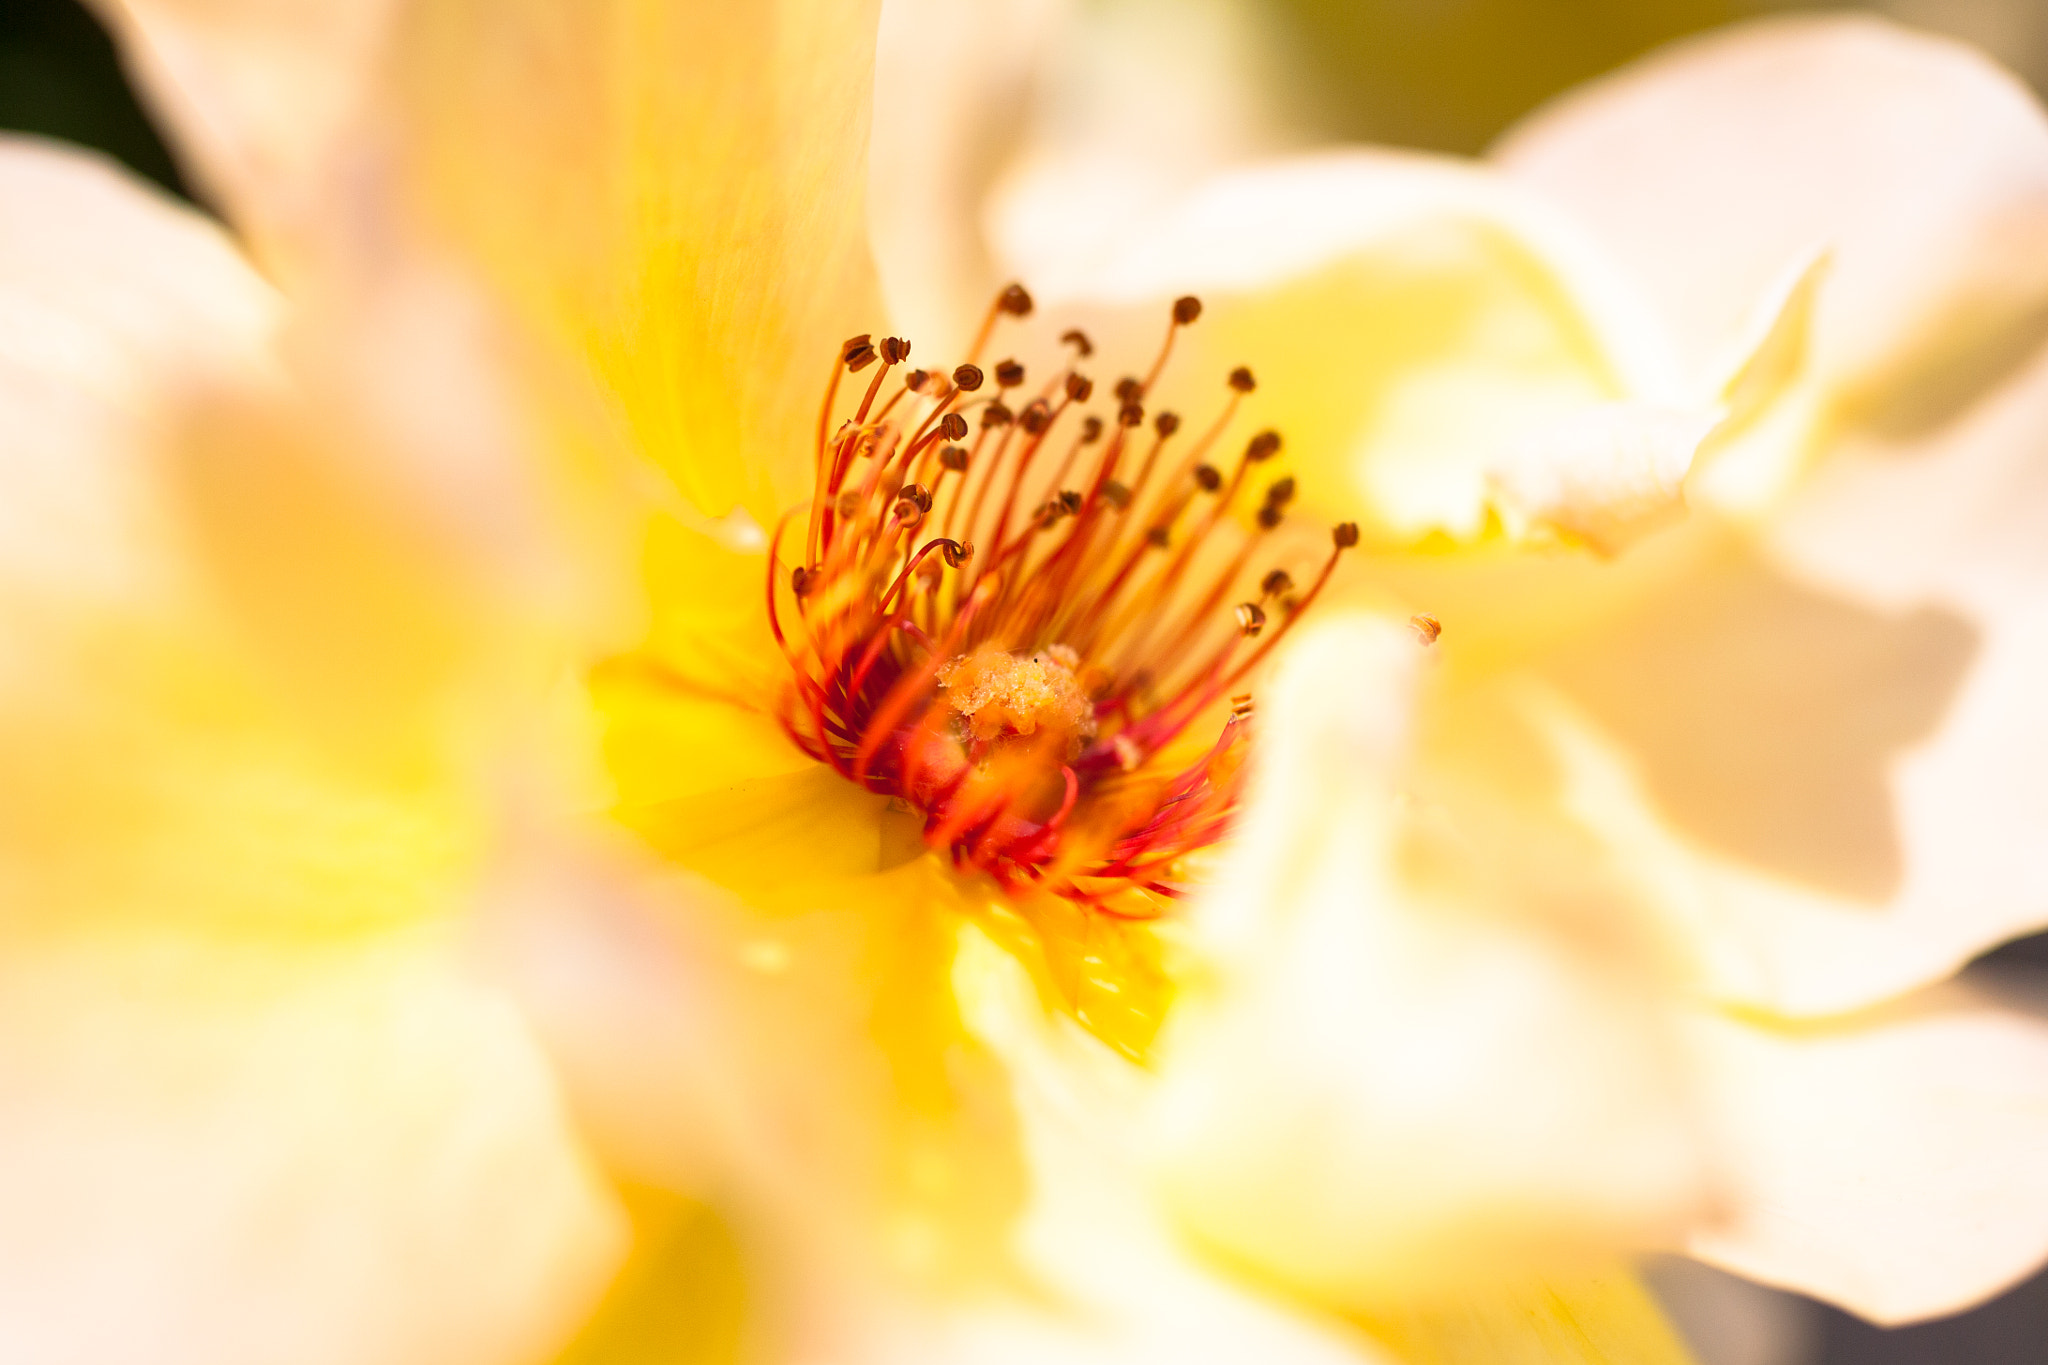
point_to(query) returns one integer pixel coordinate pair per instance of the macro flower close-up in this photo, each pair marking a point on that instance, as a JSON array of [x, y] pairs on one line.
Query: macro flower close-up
[[919, 681]]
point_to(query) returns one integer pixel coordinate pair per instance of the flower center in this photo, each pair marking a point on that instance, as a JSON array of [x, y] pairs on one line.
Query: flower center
[[1026, 620]]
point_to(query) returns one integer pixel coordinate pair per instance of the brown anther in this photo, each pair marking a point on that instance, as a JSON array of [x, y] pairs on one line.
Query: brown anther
[[1009, 374], [849, 503], [907, 512], [1241, 706], [1242, 381], [953, 426], [1116, 495], [1070, 500], [1036, 417], [1276, 582], [1080, 387], [800, 580], [1270, 516], [852, 344], [1263, 446], [1130, 415], [953, 457], [1426, 628], [917, 493], [967, 378], [1281, 492], [895, 350], [956, 552], [1091, 430], [859, 357], [1015, 300], [1346, 534], [1048, 514], [1186, 309], [1251, 619], [1129, 389], [996, 415], [1157, 537], [1166, 423], [1209, 476], [916, 380], [1078, 339]]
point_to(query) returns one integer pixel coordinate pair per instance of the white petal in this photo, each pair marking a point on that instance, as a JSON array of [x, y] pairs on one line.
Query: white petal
[[1706, 167], [1828, 765], [1380, 1093], [338, 1158], [113, 299], [1890, 1163]]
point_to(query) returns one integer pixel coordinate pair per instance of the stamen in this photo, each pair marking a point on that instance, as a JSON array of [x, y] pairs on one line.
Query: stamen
[[1032, 709]]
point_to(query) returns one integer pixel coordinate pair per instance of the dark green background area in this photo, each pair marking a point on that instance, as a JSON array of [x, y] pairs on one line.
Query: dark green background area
[[1442, 74], [59, 76]]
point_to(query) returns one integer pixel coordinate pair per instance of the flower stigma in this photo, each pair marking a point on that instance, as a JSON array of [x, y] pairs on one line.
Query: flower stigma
[[1029, 621]]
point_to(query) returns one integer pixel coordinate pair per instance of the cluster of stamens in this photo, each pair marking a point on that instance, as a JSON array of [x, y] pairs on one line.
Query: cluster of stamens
[[1012, 614]]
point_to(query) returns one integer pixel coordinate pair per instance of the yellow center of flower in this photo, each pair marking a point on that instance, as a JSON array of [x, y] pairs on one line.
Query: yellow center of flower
[[1026, 621]]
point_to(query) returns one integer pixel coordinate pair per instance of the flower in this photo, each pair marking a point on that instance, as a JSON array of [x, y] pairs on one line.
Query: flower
[[307, 776]]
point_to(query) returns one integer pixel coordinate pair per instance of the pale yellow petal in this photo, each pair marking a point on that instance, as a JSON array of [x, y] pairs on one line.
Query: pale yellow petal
[[218, 1154], [258, 97], [1706, 167], [1413, 321], [1115, 1280], [1379, 1083], [1887, 1162], [252, 1098]]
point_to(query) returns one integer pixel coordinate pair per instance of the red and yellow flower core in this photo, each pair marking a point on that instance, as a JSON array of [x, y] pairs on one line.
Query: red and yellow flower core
[[1028, 621]]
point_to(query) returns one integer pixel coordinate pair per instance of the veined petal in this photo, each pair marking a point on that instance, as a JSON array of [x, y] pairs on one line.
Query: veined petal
[[1371, 1090], [1706, 167], [1889, 1162], [672, 195]]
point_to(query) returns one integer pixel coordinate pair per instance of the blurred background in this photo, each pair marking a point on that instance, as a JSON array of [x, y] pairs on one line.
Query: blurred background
[[1442, 74]]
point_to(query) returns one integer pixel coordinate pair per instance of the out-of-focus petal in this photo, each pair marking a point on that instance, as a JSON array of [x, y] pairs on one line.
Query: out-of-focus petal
[[1413, 322], [258, 96], [1319, 1091], [1821, 754], [1125, 1284], [1889, 1162], [1707, 167], [234, 1056], [220, 1154]]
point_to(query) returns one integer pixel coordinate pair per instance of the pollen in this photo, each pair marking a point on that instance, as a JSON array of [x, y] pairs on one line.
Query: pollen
[[1031, 623]]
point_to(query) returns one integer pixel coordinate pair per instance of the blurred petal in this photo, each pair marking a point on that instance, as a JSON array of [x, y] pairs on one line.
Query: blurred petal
[[244, 1104], [1890, 1163], [1708, 166], [1124, 1285], [257, 96], [1413, 321], [343, 1155], [1383, 1091]]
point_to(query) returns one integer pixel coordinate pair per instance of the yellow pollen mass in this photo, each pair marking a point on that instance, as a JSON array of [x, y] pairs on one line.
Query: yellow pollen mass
[[997, 693]]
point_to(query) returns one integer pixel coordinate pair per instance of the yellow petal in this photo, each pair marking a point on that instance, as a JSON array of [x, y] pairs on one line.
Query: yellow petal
[[1389, 1082], [1707, 166], [1889, 1161], [672, 194]]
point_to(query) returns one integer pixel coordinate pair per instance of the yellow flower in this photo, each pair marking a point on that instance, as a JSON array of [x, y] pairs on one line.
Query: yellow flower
[[340, 602]]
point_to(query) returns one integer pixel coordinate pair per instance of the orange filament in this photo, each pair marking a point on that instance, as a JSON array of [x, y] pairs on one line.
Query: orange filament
[[1030, 678]]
